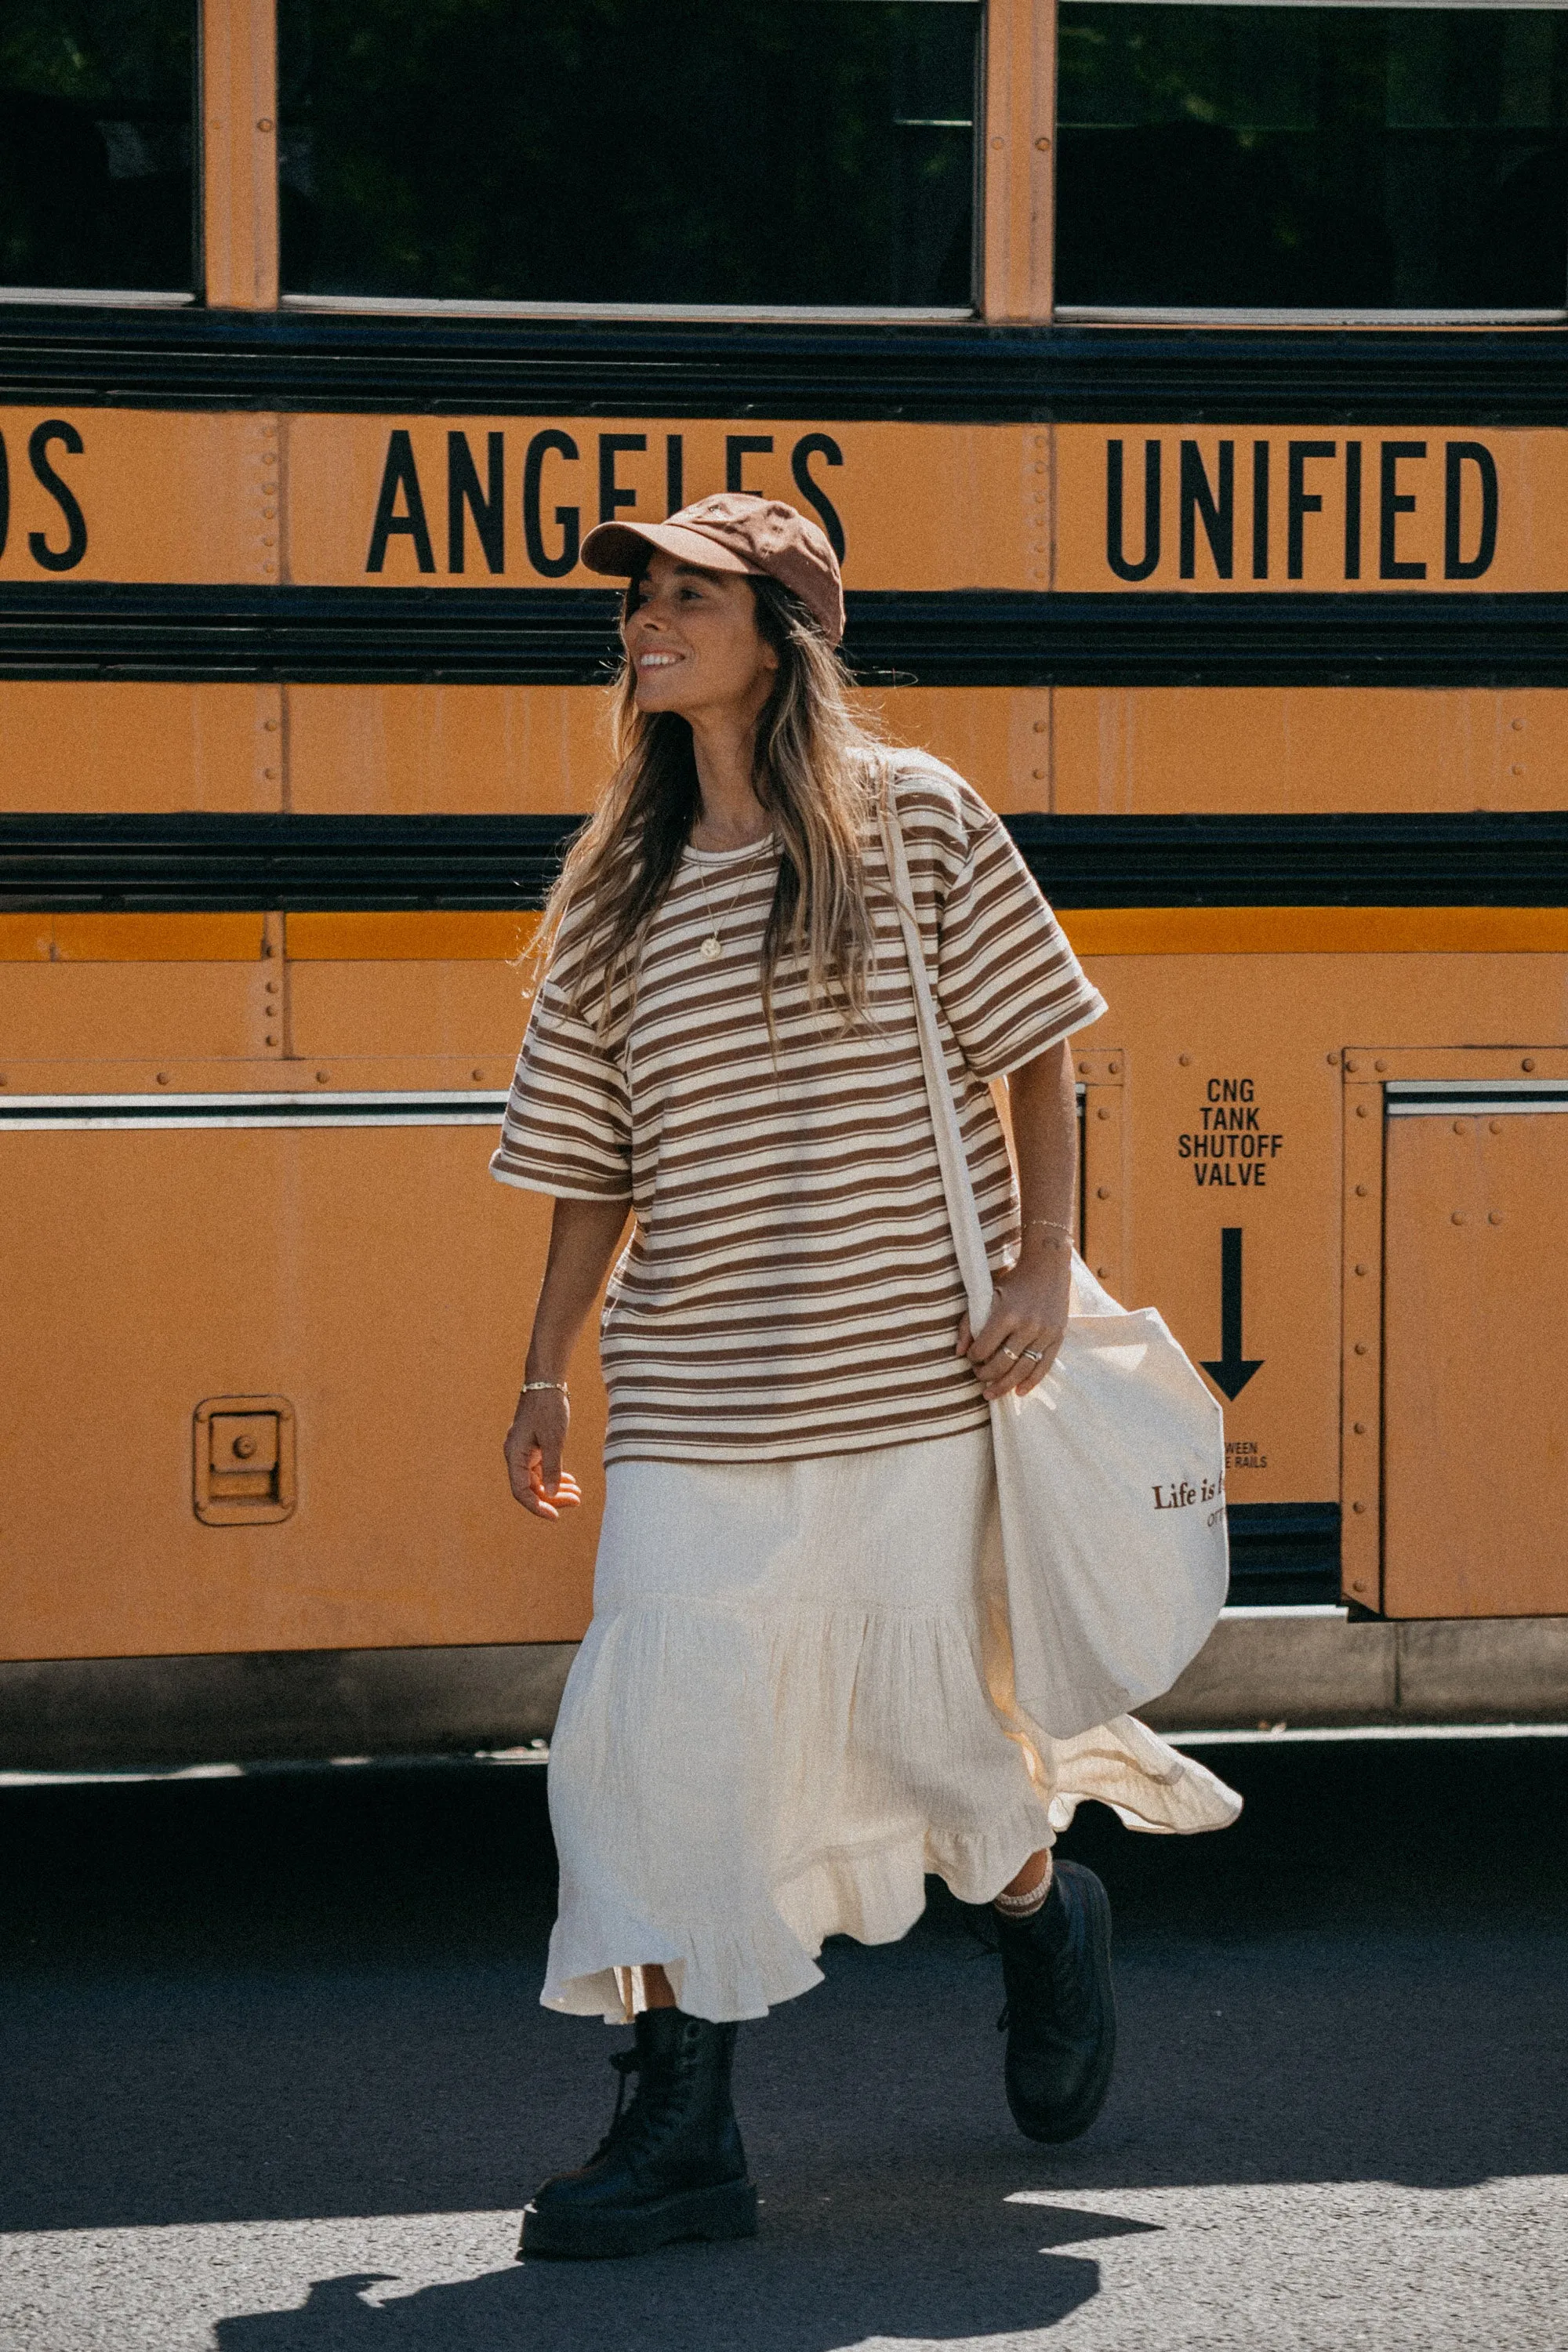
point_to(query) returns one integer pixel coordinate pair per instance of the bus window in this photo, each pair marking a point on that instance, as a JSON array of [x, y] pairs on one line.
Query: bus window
[[95, 104], [1303, 158], [578, 151]]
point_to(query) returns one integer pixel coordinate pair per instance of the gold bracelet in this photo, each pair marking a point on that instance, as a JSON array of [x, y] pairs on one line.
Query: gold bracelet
[[1052, 1225], [529, 1386]]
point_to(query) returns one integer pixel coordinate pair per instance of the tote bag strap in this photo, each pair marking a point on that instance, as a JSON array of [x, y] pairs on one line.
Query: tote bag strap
[[969, 1241]]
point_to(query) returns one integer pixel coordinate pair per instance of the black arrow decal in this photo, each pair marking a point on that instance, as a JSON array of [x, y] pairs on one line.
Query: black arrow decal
[[1233, 1369]]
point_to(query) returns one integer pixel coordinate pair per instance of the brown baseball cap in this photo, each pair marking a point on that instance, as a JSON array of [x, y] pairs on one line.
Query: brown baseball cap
[[735, 531]]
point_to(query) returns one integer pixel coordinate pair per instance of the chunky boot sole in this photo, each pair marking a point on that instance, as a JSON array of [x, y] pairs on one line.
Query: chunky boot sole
[[728, 2211], [1071, 2121]]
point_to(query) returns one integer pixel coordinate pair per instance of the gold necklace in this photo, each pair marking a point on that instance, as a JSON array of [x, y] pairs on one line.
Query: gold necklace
[[713, 946]]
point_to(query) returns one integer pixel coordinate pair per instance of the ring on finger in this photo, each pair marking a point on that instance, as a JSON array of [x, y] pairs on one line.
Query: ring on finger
[[1034, 1356], [1006, 1351]]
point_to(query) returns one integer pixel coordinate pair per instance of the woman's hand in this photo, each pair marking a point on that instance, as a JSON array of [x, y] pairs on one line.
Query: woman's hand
[[1016, 1345], [583, 1237], [534, 1444]]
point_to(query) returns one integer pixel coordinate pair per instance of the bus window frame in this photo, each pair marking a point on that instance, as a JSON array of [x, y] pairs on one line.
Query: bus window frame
[[237, 259], [1133, 315], [1020, 36], [237, 79], [236, 228]]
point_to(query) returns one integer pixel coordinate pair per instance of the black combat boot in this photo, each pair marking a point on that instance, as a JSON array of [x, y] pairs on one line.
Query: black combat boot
[[671, 2165], [1062, 2012]]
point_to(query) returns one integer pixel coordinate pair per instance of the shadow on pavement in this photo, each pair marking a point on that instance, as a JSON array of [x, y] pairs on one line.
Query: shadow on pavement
[[979, 2273], [310, 1995]]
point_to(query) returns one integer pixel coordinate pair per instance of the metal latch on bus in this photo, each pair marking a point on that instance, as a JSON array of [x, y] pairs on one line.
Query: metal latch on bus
[[243, 1460]]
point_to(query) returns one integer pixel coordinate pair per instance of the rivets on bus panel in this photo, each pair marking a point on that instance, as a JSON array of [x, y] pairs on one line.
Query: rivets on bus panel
[[1358, 1506], [1361, 1111], [1380, 1065], [162, 1078], [1528, 1062], [1461, 1126], [1361, 1269], [1331, 1059], [1361, 1346], [1349, 1064], [1496, 1127], [1457, 1218], [1494, 1216], [1360, 1428], [1101, 1191], [1185, 1060], [1102, 1114], [322, 1077], [476, 1074], [1361, 1191], [1115, 1068]]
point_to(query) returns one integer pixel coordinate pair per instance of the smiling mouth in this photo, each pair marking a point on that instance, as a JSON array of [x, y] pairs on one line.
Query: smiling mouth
[[658, 661]]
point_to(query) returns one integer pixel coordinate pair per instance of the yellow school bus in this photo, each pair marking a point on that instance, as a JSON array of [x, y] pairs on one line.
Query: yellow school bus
[[1184, 388]]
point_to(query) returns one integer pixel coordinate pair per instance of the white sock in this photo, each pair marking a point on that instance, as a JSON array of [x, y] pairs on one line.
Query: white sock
[[1024, 1906]]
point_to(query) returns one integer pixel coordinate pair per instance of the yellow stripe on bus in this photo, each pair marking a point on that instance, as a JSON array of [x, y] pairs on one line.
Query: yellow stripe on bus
[[439, 935], [487, 936], [131, 939]]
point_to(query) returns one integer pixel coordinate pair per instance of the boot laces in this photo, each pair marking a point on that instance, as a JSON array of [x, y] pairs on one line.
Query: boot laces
[[641, 2114], [1062, 1980]]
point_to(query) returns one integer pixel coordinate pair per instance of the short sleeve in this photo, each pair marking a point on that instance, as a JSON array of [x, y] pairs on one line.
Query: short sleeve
[[568, 1128], [1009, 982]]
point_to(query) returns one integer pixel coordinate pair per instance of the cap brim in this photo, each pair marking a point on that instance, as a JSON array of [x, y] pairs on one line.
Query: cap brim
[[622, 549]]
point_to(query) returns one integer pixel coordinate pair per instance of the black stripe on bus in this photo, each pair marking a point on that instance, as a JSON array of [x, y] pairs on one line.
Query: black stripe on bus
[[961, 372], [541, 637], [1284, 1552], [210, 862]]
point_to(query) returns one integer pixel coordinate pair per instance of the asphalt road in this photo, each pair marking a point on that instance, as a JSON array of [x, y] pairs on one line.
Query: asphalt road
[[274, 2079]]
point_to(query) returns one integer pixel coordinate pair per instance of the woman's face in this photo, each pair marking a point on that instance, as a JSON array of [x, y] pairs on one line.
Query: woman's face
[[694, 644]]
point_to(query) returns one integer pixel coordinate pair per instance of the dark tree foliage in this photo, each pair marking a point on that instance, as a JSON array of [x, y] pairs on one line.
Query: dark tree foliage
[[96, 105], [1376, 158], [695, 151]]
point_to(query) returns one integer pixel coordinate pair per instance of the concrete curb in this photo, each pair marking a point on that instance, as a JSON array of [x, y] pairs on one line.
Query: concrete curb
[[1315, 1667], [1302, 1666]]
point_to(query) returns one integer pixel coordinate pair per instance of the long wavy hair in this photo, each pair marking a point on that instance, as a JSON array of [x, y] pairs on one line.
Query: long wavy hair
[[817, 769]]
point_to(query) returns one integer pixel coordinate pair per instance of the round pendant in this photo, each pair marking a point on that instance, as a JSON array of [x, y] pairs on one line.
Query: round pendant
[[711, 948]]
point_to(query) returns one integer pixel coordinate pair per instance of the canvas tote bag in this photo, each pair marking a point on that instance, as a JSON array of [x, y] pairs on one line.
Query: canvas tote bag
[[1109, 1473]]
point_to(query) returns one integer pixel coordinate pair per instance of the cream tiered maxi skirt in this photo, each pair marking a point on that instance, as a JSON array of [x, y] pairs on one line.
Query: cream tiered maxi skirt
[[790, 1705]]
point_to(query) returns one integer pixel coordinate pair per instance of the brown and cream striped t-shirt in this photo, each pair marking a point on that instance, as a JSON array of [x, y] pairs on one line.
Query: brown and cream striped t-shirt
[[790, 1287]]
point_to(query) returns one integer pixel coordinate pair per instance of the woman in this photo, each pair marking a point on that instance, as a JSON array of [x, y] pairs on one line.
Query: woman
[[791, 1704]]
